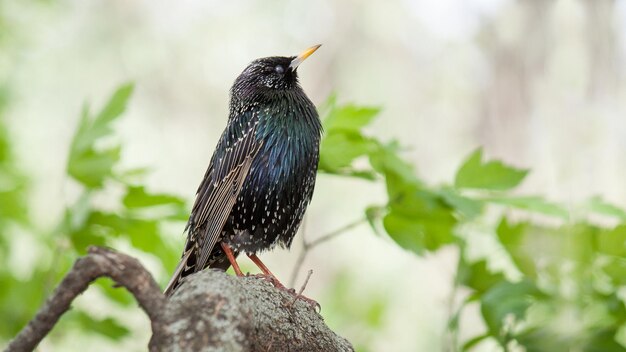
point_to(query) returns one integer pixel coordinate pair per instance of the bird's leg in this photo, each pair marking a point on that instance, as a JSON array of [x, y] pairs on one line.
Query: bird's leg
[[272, 278], [231, 258]]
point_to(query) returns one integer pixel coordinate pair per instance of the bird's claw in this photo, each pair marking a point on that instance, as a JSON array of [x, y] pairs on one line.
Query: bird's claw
[[272, 280], [313, 303]]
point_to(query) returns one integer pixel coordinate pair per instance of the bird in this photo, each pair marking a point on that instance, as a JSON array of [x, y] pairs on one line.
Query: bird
[[261, 176]]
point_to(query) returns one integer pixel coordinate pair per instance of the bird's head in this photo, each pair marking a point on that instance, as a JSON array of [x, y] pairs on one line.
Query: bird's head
[[270, 74]]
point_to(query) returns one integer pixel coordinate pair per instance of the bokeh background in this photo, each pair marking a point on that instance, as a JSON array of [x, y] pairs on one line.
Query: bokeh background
[[539, 84]]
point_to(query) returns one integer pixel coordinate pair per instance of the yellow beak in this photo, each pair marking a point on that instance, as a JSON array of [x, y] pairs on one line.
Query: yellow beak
[[303, 55]]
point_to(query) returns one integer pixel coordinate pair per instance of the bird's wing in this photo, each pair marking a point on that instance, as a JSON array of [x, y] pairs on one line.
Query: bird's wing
[[218, 192]]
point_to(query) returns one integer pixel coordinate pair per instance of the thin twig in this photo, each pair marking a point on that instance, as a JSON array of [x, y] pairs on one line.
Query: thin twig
[[299, 294], [124, 270], [306, 281], [336, 233], [308, 246]]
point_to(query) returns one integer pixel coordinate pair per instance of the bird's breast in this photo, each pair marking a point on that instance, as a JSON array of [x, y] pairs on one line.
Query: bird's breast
[[281, 178], [285, 160]]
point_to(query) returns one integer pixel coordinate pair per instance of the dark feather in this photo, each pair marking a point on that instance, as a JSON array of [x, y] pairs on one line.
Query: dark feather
[[218, 193]]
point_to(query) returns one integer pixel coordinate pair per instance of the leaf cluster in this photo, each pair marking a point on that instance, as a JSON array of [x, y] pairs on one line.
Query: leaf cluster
[[561, 264], [135, 218]]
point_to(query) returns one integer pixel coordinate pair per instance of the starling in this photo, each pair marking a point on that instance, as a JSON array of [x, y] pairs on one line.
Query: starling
[[261, 176]]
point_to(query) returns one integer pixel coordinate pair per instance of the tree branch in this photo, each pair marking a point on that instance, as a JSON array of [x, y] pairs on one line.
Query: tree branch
[[122, 269], [210, 311]]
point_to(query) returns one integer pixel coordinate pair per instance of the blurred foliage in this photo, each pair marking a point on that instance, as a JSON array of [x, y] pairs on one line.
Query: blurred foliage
[[13, 183], [564, 290], [138, 215], [360, 314], [568, 293], [134, 218], [13, 214]]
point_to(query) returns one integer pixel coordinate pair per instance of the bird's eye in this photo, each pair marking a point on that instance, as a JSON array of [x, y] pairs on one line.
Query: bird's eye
[[279, 69]]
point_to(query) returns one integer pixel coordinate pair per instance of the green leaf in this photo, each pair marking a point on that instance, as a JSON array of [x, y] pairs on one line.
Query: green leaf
[[469, 208], [515, 241], [419, 220], [116, 105], [92, 167], [144, 235], [530, 203], [539, 339], [343, 141], [478, 276], [604, 341], [373, 214], [338, 150], [13, 183], [86, 163], [615, 269], [108, 326], [492, 175], [386, 160], [469, 344], [81, 231], [137, 197], [406, 232], [116, 293], [612, 242], [13, 193], [598, 205], [348, 172], [20, 299], [349, 117], [89, 131], [506, 299], [132, 175]]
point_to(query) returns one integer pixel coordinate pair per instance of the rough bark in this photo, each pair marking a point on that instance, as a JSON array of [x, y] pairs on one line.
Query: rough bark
[[211, 311]]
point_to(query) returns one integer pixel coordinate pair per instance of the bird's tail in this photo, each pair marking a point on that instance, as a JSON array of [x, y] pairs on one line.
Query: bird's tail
[[187, 266], [178, 275]]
